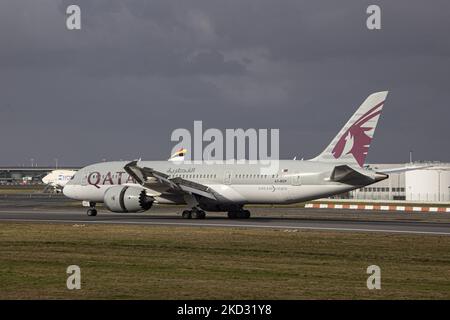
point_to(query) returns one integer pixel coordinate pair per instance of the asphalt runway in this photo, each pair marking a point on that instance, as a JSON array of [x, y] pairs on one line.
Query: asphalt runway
[[57, 209]]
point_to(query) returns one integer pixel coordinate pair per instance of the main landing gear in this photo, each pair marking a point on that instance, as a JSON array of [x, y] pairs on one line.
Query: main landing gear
[[92, 212], [241, 214], [195, 213]]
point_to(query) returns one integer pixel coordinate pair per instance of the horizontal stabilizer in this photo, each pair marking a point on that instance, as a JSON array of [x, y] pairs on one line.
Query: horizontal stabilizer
[[348, 175]]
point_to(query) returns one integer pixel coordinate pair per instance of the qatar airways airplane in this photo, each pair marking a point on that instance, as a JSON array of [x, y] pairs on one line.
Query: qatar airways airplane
[[135, 186]]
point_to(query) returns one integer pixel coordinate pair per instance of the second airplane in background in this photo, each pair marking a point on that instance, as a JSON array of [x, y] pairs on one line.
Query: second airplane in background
[[57, 179]]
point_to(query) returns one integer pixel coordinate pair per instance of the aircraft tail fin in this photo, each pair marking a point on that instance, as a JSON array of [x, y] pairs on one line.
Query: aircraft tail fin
[[352, 143], [179, 155]]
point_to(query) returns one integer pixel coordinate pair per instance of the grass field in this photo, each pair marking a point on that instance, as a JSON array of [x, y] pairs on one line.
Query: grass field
[[21, 189], [217, 263]]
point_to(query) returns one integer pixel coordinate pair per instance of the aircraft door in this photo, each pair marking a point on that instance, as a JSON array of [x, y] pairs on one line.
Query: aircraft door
[[84, 179], [295, 180], [227, 178]]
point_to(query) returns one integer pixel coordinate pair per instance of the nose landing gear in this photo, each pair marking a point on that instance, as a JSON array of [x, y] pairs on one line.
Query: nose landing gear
[[92, 212]]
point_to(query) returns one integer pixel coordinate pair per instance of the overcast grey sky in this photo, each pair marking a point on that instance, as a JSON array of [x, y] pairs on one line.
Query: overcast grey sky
[[140, 69]]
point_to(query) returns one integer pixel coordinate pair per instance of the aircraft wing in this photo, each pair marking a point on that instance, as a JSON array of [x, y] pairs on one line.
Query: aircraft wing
[[160, 181]]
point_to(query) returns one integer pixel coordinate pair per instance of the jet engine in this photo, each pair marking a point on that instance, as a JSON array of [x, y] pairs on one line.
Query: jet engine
[[127, 199]]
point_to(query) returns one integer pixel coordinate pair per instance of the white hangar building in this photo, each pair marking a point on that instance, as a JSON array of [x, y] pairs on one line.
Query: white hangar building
[[431, 184]]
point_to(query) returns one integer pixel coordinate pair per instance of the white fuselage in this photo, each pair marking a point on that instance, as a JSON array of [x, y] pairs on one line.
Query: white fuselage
[[58, 178], [289, 181]]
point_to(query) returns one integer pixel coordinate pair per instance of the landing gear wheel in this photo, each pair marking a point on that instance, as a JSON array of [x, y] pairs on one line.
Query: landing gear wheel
[[91, 212], [232, 214], [241, 214], [198, 214], [186, 214], [244, 214]]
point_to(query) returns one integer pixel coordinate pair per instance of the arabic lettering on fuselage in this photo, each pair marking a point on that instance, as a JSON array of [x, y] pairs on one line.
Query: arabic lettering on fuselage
[[180, 170]]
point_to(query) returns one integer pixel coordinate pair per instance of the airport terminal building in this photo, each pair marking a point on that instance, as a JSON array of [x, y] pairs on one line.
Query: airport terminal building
[[25, 175]]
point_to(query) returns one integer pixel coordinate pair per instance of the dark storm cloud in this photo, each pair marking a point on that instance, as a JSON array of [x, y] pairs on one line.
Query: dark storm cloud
[[139, 69]]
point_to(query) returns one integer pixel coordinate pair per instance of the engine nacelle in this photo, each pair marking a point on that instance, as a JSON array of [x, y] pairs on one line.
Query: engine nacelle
[[127, 199]]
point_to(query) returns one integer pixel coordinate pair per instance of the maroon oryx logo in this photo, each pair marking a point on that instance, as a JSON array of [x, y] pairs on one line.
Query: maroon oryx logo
[[355, 140]]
